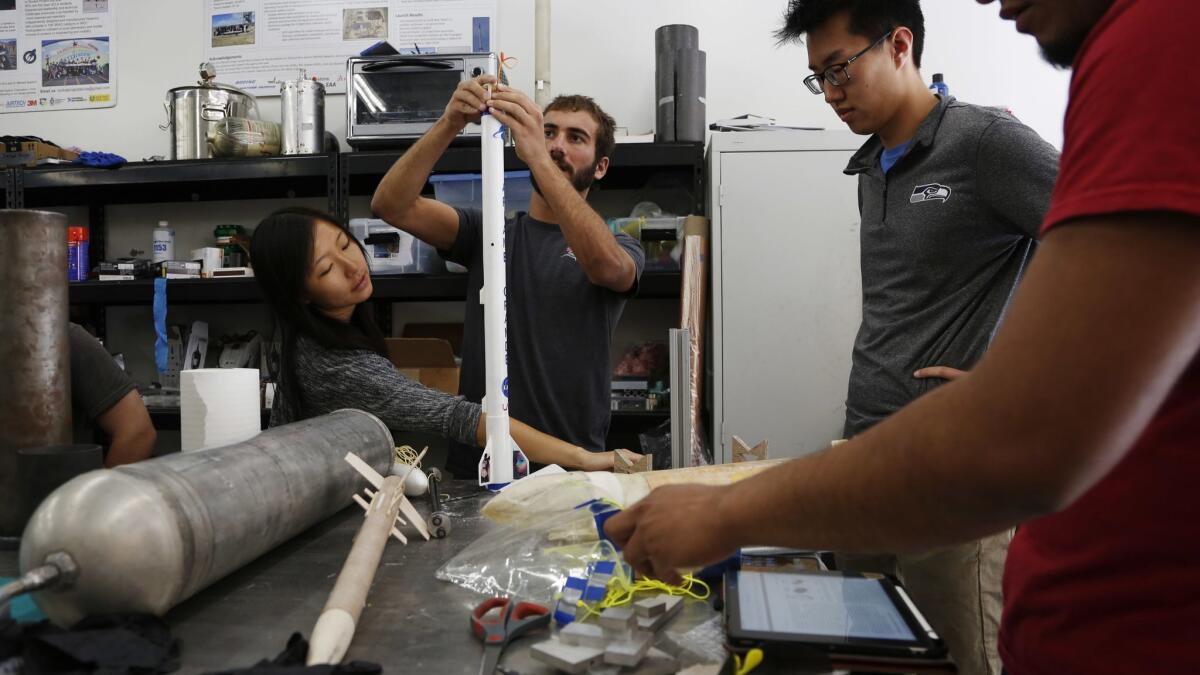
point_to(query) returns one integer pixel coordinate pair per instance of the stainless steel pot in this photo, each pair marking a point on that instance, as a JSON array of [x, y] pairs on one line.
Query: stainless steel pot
[[193, 111]]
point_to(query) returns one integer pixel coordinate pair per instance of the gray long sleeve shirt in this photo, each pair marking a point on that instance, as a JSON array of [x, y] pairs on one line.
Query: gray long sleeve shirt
[[332, 379], [946, 236]]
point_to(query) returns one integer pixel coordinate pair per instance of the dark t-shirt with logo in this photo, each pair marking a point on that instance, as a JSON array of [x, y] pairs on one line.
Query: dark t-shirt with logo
[[560, 328], [946, 235]]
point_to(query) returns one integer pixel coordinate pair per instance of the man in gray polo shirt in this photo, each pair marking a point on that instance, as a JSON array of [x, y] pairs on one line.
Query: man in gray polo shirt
[[568, 275], [951, 196]]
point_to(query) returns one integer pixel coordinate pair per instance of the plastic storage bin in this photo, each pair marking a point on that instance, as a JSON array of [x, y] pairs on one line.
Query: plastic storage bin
[[659, 237], [465, 190], [394, 251]]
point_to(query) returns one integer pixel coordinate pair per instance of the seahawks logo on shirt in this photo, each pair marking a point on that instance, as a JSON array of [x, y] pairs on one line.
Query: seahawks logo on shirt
[[929, 193]]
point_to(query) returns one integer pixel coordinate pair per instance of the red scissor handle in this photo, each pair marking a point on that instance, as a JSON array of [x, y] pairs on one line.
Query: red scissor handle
[[489, 626], [525, 617]]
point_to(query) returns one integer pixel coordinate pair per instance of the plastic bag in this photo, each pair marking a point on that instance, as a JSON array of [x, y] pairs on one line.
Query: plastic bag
[[656, 442], [531, 559]]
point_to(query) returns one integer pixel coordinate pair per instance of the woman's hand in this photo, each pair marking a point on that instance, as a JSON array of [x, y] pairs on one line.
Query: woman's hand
[[605, 461]]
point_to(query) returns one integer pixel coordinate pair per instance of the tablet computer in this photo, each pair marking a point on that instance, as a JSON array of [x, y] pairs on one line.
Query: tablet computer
[[833, 612]]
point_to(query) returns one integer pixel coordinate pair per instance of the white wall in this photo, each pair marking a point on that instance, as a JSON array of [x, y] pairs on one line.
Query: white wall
[[604, 49]]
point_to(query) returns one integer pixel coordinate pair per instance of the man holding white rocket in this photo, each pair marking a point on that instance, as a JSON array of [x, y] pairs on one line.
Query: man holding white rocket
[[568, 275]]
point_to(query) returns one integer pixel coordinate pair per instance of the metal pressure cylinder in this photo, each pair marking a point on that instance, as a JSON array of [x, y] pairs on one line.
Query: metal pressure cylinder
[[302, 110], [35, 362], [144, 537]]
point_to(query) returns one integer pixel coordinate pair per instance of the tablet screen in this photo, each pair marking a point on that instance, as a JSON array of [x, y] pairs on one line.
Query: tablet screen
[[834, 606]]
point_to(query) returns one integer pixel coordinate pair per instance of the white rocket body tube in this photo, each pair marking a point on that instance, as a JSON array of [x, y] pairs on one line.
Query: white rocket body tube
[[502, 460]]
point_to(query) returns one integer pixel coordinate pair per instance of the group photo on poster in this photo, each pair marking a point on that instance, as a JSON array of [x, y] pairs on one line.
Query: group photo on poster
[[55, 59]]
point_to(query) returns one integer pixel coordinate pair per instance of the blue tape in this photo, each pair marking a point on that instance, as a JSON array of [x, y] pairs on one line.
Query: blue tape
[[572, 592], [160, 324], [23, 609]]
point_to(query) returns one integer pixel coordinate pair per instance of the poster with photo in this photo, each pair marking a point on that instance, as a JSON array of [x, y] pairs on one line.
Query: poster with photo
[[257, 44], [56, 55]]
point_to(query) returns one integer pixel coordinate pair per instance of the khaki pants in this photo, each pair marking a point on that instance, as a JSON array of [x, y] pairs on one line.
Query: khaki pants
[[957, 589]]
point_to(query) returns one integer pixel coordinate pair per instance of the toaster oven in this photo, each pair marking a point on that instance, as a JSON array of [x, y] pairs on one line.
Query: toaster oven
[[394, 99]]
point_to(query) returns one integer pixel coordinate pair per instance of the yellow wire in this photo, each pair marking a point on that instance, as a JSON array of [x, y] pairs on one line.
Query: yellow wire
[[621, 592]]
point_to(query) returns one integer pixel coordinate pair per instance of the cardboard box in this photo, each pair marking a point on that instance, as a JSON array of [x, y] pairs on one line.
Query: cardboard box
[[429, 361], [30, 153]]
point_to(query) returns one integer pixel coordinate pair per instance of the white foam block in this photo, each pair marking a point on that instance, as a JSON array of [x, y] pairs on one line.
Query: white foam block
[[629, 652], [674, 604], [651, 607], [579, 634], [567, 658], [618, 619]]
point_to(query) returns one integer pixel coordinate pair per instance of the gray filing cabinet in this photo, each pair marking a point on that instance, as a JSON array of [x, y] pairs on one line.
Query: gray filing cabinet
[[786, 290]]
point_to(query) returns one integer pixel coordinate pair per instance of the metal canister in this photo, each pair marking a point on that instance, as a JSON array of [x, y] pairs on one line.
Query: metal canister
[[302, 109], [35, 380], [146, 536]]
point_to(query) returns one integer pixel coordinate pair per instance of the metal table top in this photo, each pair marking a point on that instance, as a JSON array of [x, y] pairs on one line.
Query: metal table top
[[412, 622]]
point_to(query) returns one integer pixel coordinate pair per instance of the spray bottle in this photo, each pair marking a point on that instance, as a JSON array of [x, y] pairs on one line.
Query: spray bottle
[[939, 86]]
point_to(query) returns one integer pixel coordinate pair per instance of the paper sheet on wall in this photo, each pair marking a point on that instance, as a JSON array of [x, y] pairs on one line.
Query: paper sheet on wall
[[57, 54], [256, 44]]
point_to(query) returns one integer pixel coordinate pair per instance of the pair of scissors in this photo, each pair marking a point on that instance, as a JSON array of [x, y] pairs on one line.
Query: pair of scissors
[[497, 621]]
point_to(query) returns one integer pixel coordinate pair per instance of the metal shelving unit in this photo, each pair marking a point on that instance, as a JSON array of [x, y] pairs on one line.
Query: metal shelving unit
[[433, 287], [184, 181], [632, 164], [334, 176]]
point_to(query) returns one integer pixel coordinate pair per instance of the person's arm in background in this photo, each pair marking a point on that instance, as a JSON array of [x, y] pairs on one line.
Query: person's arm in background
[[1015, 170], [546, 449], [398, 199], [605, 262], [333, 379], [106, 394], [128, 424], [1104, 325]]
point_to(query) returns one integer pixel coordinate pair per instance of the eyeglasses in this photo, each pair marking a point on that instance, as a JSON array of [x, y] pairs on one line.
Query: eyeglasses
[[839, 73]]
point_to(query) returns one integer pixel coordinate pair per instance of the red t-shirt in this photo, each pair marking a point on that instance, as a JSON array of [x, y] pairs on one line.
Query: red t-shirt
[[1112, 583]]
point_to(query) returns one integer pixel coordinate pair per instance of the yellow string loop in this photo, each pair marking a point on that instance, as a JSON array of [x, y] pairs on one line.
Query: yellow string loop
[[622, 592]]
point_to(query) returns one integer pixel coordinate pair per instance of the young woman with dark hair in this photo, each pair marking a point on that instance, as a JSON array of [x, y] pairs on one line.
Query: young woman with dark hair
[[314, 276]]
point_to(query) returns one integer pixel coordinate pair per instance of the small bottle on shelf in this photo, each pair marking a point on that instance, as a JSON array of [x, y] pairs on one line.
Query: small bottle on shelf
[[164, 243], [77, 253]]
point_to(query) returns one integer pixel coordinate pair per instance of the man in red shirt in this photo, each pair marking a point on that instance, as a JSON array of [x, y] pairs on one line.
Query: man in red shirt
[[1081, 424]]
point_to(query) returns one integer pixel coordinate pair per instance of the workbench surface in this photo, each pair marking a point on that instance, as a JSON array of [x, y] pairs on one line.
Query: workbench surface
[[412, 623]]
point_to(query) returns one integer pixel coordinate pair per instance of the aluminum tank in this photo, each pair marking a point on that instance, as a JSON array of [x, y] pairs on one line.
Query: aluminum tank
[[302, 111], [35, 362], [147, 536]]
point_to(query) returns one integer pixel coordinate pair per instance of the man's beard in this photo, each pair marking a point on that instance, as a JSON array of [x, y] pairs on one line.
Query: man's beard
[[1061, 54], [581, 180]]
